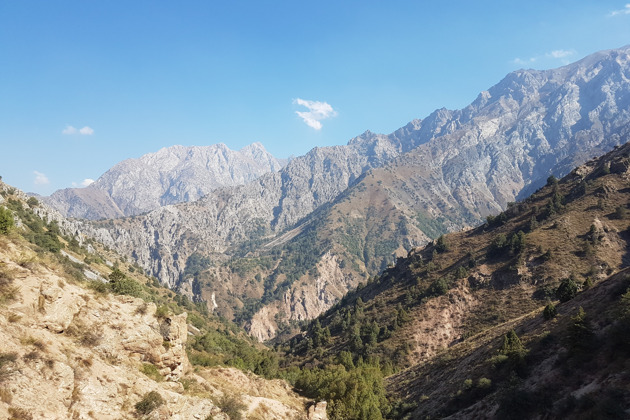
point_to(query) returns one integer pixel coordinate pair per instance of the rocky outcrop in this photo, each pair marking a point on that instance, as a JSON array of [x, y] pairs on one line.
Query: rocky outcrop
[[172, 175], [305, 301], [318, 411], [66, 352]]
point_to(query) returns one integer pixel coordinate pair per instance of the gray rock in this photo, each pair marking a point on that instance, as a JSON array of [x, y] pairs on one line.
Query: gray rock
[[171, 175]]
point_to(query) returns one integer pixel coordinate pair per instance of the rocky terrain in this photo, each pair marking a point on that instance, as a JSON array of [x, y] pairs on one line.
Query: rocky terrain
[[77, 342], [370, 201], [171, 175]]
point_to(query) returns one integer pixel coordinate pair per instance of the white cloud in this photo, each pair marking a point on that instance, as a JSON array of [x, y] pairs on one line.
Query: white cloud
[[86, 182], [70, 130], [86, 131], [317, 111], [562, 55], [524, 62], [40, 179], [624, 11]]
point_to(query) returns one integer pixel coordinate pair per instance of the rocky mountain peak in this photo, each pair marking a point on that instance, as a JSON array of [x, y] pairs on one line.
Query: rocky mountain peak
[[171, 175]]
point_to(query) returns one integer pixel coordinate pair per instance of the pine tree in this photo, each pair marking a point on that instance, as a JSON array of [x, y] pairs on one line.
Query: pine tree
[[581, 337]]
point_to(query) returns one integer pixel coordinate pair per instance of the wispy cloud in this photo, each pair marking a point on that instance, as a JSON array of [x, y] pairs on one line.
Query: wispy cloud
[[40, 178], [523, 62], [317, 111], [86, 182], [562, 55], [624, 11], [70, 130]]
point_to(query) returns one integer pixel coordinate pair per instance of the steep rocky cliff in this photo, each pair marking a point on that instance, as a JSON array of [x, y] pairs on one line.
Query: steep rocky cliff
[[439, 174], [171, 175]]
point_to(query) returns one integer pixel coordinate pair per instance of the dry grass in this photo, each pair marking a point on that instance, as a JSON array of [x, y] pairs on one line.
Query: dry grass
[[88, 336], [86, 362], [8, 291], [5, 395], [142, 309], [35, 342], [17, 413], [29, 262], [31, 356], [13, 317]]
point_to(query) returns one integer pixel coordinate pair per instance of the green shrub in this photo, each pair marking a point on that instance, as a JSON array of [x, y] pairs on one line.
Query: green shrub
[[99, 287], [484, 383], [127, 287], [441, 245], [438, 288], [6, 220], [567, 290], [162, 311], [512, 346], [149, 402], [550, 311], [151, 371], [122, 285]]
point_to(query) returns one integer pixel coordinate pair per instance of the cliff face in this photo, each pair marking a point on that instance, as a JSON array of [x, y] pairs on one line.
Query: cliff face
[[171, 175], [435, 175]]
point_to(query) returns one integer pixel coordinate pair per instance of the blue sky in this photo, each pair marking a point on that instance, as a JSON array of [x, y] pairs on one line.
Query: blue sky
[[86, 84]]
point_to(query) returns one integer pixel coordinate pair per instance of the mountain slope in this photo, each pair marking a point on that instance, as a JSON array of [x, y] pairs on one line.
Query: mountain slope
[[439, 174], [442, 312], [171, 175], [75, 345]]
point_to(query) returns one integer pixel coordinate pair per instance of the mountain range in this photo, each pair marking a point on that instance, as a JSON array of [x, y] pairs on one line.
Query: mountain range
[[171, 175], [472, 264], [288, 245]]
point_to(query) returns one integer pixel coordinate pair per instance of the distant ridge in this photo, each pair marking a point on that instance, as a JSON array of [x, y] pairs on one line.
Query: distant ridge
[[171, 175]]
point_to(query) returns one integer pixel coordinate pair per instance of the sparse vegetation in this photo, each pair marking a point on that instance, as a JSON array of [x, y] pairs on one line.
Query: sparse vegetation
[[232, 406], [149, 402], [151, 371]]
